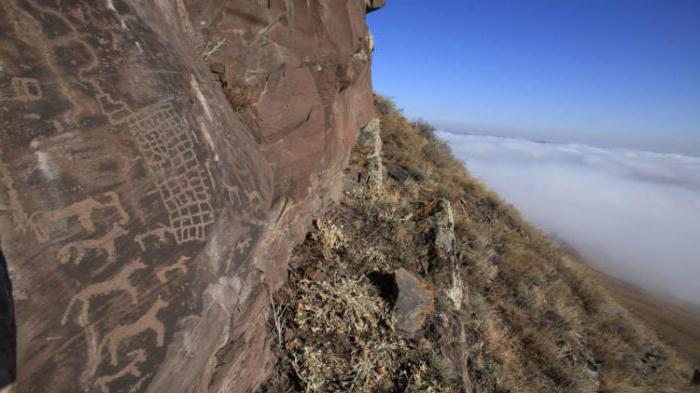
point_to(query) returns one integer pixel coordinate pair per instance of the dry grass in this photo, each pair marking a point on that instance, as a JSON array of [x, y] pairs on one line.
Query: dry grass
[[343, 307], [536, 320], [677, 323]]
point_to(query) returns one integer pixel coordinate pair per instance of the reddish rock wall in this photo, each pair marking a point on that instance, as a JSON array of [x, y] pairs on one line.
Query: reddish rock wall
[[144, 225]]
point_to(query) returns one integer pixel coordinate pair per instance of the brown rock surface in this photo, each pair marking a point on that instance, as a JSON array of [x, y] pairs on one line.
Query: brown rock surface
[[143, 224], [414, 303], [447, 332]]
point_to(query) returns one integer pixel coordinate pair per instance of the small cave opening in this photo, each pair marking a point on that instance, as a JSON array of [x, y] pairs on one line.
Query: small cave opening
[[386, 285], [8, 328]]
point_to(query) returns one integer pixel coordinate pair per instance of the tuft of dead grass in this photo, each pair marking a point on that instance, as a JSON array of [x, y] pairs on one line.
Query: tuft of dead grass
[[346, 306]]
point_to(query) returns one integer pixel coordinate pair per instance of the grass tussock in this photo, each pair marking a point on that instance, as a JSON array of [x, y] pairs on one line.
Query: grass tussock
[[532, 318]]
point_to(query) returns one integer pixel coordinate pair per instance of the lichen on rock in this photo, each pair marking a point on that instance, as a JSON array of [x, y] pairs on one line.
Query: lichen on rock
[[369, 146], [444, 229]]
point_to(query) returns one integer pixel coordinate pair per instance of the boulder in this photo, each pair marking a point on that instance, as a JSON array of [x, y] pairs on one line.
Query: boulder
[[143, 223], [415, 301]]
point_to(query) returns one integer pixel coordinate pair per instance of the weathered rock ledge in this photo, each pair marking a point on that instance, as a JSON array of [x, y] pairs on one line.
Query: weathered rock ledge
[[148, 206]]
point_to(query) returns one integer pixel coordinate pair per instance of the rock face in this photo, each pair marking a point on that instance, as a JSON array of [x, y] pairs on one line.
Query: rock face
[[143, 223], [447, 332], [414, 303]]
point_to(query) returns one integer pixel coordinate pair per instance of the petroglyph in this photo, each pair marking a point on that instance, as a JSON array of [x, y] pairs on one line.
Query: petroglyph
[[115, 110], [82, 210], [116, 203], [50, 32], [254, 198], [182, 182], [167, 147], [148, 321], [233, 191], [118, 283], [180, 265], [137, 357], [41, 221], [26, 89], [243, 245], [159, 233], [23, 89], [20, 220], [105, 243]]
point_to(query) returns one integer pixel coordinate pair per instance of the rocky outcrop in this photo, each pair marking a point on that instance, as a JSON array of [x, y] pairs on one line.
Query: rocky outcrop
[[444, 229], [444, 263], [369, 147], [158, 161], [447, 332]]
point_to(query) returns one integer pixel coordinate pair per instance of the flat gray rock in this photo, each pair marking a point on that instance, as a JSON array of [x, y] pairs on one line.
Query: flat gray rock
[[414, 303]]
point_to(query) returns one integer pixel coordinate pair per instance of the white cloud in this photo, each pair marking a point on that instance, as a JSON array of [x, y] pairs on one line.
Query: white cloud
[[635, 214]]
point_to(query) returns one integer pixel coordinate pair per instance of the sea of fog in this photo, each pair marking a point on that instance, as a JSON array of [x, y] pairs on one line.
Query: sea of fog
[[634, 214]]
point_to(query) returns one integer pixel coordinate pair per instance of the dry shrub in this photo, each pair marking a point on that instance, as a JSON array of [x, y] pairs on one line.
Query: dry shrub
[[347, 342], [426, 129], [384, 106], [330, 235], [373, 259], [345, 307], [349, 314]]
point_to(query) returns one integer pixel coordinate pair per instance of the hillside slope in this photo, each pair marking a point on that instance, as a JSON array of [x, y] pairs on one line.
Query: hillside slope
[[512, 311]]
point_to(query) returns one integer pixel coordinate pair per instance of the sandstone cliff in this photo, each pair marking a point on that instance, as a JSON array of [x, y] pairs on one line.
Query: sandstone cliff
[[158, 160]]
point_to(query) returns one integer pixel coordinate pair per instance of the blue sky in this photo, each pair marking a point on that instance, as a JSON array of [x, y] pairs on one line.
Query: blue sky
[[622, 73]]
